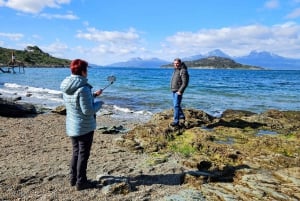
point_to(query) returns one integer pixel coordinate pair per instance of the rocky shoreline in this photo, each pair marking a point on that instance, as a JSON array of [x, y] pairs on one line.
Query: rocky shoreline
[[238, 156]]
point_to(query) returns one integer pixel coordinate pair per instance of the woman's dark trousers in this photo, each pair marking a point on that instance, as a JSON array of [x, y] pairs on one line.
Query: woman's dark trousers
[[81, 152]]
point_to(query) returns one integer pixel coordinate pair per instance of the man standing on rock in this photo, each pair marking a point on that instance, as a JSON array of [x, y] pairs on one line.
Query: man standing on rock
[[179, 82]]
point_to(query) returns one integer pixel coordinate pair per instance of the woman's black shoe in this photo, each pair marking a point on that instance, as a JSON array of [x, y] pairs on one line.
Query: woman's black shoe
[[72, 182]]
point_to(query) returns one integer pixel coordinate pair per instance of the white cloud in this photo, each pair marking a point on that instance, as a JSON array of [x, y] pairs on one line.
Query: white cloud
[[12, 36], [112, 46], [69, 16], [112, 42], [32, 6], [104, 47], [272, 4], [294, 14], [111, 36], [57, 49], [282, 39]]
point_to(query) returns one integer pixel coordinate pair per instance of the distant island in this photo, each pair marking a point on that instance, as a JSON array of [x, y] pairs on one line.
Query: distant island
[[215, 62], [31, 56]]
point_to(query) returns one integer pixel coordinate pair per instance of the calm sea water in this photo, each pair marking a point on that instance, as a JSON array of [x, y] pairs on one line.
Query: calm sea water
[[146, 91]]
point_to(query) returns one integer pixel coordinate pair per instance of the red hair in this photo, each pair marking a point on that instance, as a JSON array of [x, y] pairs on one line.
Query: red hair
[[78, 66]]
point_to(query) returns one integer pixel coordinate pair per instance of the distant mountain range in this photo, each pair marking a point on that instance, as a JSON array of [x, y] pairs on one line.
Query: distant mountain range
[[262, 59], [33, 56], [139, 62]]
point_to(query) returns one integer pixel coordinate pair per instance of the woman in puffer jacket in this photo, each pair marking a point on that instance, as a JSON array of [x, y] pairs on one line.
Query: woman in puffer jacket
[[80, 120]]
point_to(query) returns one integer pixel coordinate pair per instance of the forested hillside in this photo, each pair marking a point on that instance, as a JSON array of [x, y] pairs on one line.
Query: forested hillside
[[31, 56]]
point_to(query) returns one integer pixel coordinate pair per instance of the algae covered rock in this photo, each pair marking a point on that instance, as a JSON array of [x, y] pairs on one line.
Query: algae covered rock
[[240, 155]]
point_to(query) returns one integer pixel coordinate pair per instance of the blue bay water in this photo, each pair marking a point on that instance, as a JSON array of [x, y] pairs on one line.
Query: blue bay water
[[147, 90]]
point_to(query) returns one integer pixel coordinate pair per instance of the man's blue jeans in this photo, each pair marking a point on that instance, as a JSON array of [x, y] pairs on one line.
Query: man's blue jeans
[[178, 113]]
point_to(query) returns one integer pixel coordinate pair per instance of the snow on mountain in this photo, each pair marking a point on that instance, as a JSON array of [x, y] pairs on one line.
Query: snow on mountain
[[217, 53], [269, 60]]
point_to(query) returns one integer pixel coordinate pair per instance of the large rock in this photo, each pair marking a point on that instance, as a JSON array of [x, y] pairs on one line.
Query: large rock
[[10, 108]]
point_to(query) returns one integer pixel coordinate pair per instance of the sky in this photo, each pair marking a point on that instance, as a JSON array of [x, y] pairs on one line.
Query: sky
[[108, 31]]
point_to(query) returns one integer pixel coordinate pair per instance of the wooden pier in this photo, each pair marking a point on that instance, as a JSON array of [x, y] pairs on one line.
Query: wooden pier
[[11, 65], [11, 69]]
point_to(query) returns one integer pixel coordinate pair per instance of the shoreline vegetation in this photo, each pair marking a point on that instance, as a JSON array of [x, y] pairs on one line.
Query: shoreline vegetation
[[240, 155]]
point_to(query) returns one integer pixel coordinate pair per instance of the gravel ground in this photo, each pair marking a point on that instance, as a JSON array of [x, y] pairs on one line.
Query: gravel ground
[[35, 155]]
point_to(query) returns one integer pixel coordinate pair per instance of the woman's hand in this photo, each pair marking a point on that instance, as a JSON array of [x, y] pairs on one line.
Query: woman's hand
[[98, 93]]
